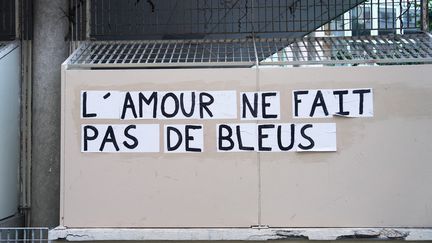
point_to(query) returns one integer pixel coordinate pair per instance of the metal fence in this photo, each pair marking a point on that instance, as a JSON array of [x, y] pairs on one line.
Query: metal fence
[[197, 19], [30, 235], [376, 17], [179, 19]]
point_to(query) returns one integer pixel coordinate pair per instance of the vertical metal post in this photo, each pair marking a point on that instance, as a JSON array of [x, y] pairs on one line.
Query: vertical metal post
[[87, 20], [425, 15], [24, 25], [17, 16]]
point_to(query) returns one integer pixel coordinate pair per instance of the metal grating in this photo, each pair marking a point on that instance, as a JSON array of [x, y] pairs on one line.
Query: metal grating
[[395, 49], [32, 235], [166, 53], [414, 48]]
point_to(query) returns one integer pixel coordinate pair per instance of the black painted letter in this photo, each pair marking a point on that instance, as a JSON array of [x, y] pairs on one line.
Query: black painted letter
[[265, 105], [204, 105], [361, 93], [87, 137], [168, 137], [152, 98], [240, 141], [279, 138], [109, 138], [297, 101], [182, 105], [189, 138], [319, 101], [246, 103], [131, 137], [84, 107], [176, 105], [128, 103], [303, 134], [341, 93], [261, 136], [226, 138]]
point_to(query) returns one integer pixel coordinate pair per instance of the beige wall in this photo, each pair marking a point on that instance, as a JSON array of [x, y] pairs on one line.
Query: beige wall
[[379, 176]]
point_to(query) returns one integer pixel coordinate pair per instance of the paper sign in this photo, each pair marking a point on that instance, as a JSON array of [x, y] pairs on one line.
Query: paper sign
[[100, 104], [159, 105], [282, 137], [260, 105], [236, 137], [328, 102], [183, 138], [230, 137], [120, 138], [319, 137]]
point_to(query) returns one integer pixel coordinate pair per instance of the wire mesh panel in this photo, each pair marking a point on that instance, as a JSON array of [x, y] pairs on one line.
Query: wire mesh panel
[[177, 19], [7, 19], [413, 48], [31, 235], [168, 53]]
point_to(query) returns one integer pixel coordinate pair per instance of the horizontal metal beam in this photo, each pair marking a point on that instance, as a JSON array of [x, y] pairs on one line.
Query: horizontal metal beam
[[159, 65], [350, 62]]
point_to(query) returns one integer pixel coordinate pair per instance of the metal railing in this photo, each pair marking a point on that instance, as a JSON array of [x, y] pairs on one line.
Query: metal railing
[[28, 235]]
